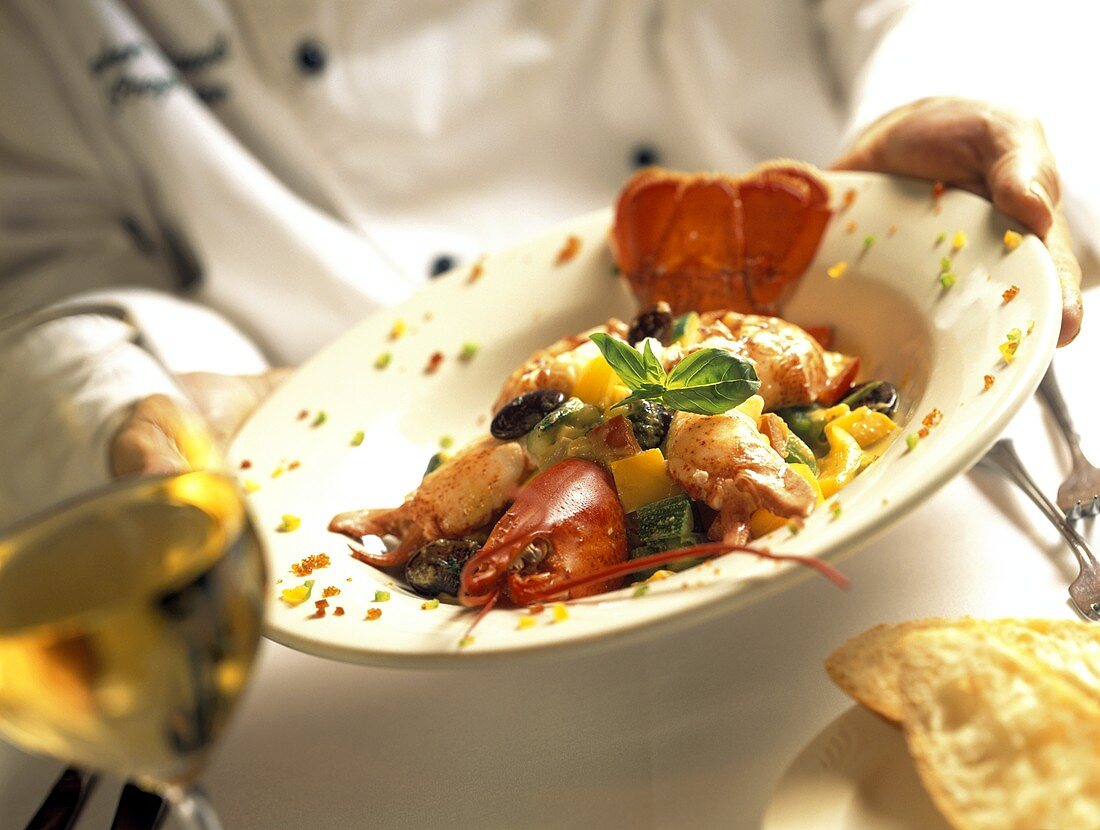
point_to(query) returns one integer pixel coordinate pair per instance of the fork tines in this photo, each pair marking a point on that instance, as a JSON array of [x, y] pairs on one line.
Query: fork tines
[[1078, 510]]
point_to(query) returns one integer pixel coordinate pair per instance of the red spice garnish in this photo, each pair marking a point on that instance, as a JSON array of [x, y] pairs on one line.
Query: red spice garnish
[[294, 465], [851, 226], [245, 463], [373, 614], [310, 564], [938, 209], [569, 249], [303, 414], [427, 316], [433, 363], [849, 197], [988, 379], [339, 611], [932, 419], [330, 591], [1010, 293], [890, 231], [476, 271], [937, 190]]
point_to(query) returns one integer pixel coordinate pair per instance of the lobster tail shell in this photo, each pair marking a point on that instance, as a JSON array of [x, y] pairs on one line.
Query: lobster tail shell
[[702, 242]]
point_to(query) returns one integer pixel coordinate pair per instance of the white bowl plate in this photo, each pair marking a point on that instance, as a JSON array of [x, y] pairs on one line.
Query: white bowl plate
[[855, 775], [936, 344]]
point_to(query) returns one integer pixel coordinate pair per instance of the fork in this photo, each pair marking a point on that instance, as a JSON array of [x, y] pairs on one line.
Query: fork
[[1084, 591], [1079, 494]]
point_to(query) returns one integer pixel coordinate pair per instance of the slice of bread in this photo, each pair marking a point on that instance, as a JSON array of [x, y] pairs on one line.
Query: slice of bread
[[1000, 741], [866, 667]]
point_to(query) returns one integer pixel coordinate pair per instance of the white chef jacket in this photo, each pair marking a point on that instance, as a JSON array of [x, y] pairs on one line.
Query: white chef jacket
[[247, 178]]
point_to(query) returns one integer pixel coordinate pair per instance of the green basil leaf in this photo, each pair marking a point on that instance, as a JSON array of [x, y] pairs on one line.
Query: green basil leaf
[[655, 372], [710, 382], [650, 391], [627, 361]]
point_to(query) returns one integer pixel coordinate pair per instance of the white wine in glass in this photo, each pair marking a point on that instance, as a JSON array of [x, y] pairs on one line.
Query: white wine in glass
[[129, 621]]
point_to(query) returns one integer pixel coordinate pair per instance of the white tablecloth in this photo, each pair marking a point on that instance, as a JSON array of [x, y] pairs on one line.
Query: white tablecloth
[[683, 730]]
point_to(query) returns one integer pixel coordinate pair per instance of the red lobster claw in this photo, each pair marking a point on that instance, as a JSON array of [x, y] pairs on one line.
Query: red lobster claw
[[566, 522]]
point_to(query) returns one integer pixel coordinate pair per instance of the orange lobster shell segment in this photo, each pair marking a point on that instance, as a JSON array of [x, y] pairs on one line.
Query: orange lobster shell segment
[[704, 242]]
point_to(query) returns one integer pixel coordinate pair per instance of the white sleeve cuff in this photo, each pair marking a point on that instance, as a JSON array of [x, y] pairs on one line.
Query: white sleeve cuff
[[64, 389]]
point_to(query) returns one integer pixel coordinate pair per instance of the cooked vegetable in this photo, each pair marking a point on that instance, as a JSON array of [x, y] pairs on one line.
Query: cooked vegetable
[[799, 453], [670, 518], [877, 395], [650, 421], [641, 479], [437, 567], [670, 543], [655, 322], [611, 440], [806, 422], [685, 327], [520, 415], [598, 384], [568, 422]]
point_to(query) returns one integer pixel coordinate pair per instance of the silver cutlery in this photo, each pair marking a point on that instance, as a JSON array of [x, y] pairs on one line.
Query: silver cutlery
[[1079, 494], [1084, 591], [64, 801]]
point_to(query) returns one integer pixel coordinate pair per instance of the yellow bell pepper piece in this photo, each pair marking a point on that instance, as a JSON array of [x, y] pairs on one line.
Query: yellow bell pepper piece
[[762, 521], [298, 595], [841, 464], [865, 425], [808, 474], [593, 380], [642, 478], [598, 384], [753, 407]]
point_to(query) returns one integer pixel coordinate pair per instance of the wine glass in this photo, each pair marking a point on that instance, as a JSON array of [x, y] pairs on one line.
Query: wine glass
[[129, 621]]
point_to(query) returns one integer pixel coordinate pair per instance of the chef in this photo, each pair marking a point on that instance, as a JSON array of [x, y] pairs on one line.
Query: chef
[[203, 189]]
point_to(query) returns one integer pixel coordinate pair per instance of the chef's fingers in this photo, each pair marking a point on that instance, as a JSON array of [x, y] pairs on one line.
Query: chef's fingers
[[1069, 277], [1021, 174]]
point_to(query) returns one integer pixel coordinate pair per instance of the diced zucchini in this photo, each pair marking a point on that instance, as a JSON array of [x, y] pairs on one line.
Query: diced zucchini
[[670, 518], [569, 421], [685, 328], [672, 543]]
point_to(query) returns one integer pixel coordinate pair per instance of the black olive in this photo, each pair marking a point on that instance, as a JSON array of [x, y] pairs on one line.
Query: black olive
[[655, 321], [650, 422], [437, 567], [519, 416], [878, 395]]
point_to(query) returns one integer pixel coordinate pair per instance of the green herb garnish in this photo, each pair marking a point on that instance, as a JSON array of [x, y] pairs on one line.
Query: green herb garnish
[[706, 382]]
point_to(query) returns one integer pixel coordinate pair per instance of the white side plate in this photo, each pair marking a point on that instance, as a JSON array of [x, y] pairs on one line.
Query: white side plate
[[855, 775]]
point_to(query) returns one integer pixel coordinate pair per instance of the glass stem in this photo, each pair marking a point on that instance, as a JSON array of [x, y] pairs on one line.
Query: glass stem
[[193, 808]]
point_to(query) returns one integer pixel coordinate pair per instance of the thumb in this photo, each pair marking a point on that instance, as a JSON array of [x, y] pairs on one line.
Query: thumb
[[159, 436], [1069, 277], [1024, 185]]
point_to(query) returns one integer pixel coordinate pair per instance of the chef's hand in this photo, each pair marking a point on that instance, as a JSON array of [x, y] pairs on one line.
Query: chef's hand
[[994, 152], [161, 436]]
